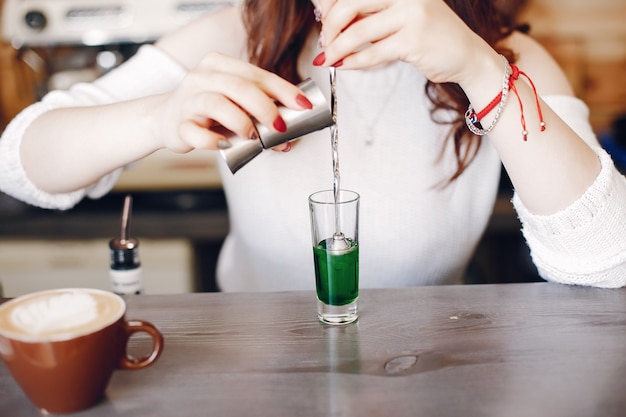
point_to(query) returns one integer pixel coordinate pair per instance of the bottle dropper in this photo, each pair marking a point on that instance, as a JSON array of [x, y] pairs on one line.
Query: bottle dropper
[[125, 268]]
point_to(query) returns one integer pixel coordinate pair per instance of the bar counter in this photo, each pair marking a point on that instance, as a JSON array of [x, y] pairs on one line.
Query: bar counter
[[534, 349]]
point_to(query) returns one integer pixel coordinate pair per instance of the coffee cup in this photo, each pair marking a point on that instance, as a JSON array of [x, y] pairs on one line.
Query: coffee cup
[[62, 346]]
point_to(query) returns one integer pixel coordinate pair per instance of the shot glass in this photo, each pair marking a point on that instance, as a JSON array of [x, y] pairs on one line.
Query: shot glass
[[335, 235]]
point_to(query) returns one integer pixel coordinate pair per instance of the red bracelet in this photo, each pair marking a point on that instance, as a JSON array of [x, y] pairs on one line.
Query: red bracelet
[[472, 118]]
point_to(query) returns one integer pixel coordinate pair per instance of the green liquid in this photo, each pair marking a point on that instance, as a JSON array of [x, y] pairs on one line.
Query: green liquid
[[336, 273]]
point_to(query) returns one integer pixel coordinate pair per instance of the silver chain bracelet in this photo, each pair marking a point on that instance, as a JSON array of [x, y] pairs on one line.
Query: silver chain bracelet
[[470, 115]]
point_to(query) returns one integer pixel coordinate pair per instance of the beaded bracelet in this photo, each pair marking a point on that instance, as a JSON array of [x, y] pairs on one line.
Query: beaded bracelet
[[511, 74]]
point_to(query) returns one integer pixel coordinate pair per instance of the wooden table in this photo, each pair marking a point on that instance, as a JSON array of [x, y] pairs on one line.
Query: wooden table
[[487, 350]]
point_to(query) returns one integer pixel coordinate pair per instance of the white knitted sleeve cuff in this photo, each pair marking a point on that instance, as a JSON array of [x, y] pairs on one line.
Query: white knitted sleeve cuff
[[584, 244], [149, 71]]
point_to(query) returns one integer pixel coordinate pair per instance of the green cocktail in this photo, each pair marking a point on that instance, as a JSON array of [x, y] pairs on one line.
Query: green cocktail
[[337, 273], [335, 239]]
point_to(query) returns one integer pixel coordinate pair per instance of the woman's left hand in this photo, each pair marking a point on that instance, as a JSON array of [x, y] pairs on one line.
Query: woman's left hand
[[424, 33]]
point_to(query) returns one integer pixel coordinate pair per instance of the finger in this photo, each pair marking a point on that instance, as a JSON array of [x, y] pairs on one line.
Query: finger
[[272, 85], [253, 100], [345, 13], [245, 93], [208, 109], [383, 51], [198, 137], [285, 147], [361, 36], [324, 6]]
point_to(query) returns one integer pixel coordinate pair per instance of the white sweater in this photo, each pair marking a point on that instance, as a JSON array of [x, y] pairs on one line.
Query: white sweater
[[411, 231]]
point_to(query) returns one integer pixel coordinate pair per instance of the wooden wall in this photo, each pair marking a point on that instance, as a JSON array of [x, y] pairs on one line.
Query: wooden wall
[[588, 39], [18, 83]]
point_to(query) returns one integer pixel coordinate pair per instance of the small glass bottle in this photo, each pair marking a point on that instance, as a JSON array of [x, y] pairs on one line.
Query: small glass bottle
[[125, 268]]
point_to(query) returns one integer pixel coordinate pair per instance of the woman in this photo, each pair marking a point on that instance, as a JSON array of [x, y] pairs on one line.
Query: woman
[[407, 70]]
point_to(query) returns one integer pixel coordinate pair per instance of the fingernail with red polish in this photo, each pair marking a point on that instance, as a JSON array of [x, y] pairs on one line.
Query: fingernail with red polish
[[320, 59], [303, 102], [279, 125], [338, 63]]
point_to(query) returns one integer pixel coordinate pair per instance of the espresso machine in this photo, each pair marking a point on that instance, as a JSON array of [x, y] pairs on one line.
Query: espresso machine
[[69, 41], [64, 42]]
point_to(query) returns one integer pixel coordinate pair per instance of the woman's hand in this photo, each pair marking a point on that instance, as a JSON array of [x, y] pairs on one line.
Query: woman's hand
[[424, 33], [222, 93]]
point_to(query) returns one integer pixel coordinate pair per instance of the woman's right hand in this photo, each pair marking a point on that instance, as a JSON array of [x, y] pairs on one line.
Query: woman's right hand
[[222, 93]]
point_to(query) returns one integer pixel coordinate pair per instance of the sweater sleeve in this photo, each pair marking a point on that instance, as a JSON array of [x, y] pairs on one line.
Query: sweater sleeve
[[149, 71], [584, 244]]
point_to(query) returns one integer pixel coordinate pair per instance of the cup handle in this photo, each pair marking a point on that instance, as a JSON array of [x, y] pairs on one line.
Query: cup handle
[[135, 326]]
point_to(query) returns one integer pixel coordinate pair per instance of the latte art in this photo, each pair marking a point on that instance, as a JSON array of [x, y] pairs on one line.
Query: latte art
[[57, 313]]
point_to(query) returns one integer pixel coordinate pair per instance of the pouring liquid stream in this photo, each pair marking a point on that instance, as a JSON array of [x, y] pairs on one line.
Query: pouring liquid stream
[[339, 242]]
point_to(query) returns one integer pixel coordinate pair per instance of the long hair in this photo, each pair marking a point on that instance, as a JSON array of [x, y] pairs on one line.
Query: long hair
[[277, 31]]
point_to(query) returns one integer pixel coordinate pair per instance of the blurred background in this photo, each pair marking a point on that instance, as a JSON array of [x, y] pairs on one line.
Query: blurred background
[[179, 211]]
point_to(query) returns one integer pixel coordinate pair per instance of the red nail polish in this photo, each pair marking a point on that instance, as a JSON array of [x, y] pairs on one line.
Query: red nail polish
[[303, 102], [320, 59], [279, 125], [338, 63]]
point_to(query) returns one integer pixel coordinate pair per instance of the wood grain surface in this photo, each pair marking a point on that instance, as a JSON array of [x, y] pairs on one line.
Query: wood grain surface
[[487, 350]]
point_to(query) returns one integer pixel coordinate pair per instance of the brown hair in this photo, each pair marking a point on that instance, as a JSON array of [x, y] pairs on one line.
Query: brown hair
[[277, 31]]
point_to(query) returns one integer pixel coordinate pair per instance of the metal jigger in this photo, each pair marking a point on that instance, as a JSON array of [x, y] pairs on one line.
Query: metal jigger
[[299, 123]]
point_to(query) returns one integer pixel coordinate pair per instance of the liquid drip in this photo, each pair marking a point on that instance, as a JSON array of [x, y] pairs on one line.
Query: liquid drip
[[339, 241]]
